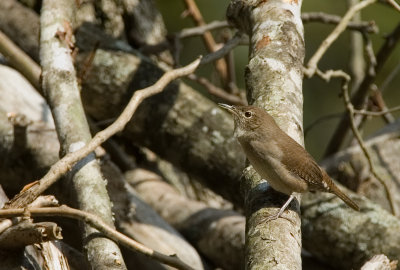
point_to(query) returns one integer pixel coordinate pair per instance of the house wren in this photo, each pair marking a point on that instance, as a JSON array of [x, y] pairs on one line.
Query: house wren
[[279, 159]]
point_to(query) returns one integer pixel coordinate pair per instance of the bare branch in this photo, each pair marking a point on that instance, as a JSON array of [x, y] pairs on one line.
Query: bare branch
[[368, 27], [211, 45], [20, 60], [201, 29], [232, 43], [350, 108], [361, 93], [312, 64], [393, 4], [96, 222], [218, 92], [369, 113], [64, 164]]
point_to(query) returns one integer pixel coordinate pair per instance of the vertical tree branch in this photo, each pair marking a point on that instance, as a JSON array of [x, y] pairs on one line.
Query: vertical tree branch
[[274, 82], [62, 92]]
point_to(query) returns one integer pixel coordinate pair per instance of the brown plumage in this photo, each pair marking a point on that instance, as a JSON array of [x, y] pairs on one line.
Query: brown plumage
[[279, 159]]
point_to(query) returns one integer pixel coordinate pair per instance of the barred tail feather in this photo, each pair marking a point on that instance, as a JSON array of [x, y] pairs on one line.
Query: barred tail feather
[[335, 190]]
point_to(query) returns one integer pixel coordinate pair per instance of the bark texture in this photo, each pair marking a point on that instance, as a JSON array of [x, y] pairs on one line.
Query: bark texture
[[350, 167], [138, 220], [177, 131], [218, 234], [273, 82], [59, 83], [133, 216]]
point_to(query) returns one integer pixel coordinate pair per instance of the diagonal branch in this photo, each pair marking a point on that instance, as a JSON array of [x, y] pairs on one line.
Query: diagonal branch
[[64, 164], [312, 64], [362, 91]]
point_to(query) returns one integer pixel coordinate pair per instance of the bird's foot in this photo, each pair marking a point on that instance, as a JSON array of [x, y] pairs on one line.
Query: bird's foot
[[274, 217]]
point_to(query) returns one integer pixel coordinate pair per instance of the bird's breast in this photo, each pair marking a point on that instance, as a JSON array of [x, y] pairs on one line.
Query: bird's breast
[[267, 161]]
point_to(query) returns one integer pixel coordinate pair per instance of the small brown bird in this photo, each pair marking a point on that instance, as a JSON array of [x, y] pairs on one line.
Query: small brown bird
[[279, 159]]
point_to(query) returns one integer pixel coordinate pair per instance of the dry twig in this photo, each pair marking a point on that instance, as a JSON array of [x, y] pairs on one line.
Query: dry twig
[[217, 92], [380, 113], [393, 4], [66, 163], [202, 29], [367, 27], [312, 64], [359, 97], [211, 45], [350, 108], [96, 222]]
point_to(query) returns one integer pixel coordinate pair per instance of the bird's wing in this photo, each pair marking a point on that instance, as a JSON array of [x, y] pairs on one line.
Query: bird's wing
[[301, 164]]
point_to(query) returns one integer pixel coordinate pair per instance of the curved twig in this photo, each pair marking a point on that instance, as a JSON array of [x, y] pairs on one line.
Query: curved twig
[[96, 222], [66, 163]]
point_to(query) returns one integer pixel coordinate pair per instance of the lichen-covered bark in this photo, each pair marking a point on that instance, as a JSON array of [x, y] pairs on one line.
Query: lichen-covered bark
[[349, 238], [350, 166], [60, 85], [222, 169], [217, 233], [179, 124], [173, 133], [31, 160], [274, 82], [139, 221]]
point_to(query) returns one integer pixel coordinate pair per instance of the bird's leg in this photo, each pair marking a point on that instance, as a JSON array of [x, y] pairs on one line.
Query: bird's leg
[[280, 212]]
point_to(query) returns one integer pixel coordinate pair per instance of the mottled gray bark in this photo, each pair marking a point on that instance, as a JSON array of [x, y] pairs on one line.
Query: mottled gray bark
[[185, 119], [110, 12], [34, 158], [190, 131], [350, 166], [59, 83], [139, 221], [218, 234], [273, 82], [344, 238], [144, 23], [179, 124]]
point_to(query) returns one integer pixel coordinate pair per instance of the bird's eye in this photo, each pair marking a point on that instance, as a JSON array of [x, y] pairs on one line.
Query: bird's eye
[[248, 114]]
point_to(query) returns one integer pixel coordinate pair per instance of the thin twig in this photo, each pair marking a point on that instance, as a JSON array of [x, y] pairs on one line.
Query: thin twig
[[217, 92], [368, 27], [393, 4], [230, 45], [377, 99], [312, 65], [66, 163], [369, 113], [360, 94], [96, 222], [350, 108], [184, 33], [200, 30], [211, 45]]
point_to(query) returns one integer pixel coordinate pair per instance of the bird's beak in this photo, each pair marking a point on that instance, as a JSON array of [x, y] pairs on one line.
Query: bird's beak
[[229, 108]]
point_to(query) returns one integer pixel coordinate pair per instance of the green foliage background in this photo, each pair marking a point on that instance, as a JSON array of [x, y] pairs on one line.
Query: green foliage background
[[320, 98]]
